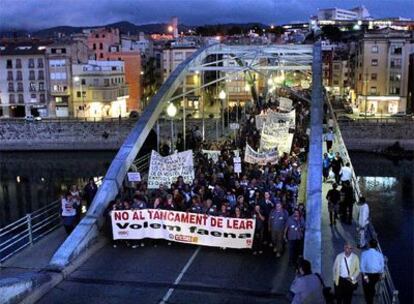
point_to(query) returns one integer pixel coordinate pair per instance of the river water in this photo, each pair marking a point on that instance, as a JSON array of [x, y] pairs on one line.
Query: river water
[[389, 189], [29, 181]]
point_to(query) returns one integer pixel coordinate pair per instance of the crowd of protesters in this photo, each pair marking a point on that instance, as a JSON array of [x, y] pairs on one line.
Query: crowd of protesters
[[268, 194]]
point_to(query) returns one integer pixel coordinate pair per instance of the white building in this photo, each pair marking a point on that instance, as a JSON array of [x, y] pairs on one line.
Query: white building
[[358, 13], [24, 87], [99, 89]]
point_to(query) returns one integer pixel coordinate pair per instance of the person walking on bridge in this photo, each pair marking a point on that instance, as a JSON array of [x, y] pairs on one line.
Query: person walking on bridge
[[372, 269], [363, 221], [329, 138], [345, 275]]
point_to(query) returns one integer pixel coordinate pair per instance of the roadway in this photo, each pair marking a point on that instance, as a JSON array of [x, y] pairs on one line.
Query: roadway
[[175, 274]]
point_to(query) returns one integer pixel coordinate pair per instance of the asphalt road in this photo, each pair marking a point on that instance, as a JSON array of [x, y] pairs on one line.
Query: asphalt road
[[176, 274]]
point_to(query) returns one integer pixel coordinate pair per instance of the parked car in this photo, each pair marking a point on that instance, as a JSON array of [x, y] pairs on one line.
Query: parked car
[[345, 118], [31, 118], [367, 114]]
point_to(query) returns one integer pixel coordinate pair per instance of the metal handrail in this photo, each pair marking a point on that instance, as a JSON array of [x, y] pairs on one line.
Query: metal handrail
[[388, 293]]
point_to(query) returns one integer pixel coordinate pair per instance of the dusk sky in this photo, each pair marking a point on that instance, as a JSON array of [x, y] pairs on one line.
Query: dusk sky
[[37, 14]]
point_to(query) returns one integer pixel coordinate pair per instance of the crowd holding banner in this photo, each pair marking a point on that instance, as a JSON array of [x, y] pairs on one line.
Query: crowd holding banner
[[221, 194], [183, 227], [261, 158], [165, 170]]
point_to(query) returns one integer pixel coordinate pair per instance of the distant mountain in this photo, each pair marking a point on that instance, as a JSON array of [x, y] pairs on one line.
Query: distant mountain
[[126, 27]]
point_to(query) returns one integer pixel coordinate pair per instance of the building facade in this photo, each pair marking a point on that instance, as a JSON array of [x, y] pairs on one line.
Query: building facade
[[357, 13], [381, 71], [61, 55], [106, 44], [24, 87], [100, 89]]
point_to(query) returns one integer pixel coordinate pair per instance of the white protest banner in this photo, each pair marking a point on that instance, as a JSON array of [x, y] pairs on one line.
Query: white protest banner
[[285, 104], [262, 158], [165, 170], [134, 176], [212, 154], [237, 164], [183, 227]]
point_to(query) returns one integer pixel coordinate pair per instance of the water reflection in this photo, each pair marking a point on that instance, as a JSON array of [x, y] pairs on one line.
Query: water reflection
[[32, 180], [389, 189]]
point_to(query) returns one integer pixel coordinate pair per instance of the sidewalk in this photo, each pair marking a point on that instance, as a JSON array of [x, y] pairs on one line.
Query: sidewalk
[[33, 258], [334, 237]]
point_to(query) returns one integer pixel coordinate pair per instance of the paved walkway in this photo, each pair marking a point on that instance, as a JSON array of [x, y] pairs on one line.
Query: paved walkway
[[334, 237], [34, 258]]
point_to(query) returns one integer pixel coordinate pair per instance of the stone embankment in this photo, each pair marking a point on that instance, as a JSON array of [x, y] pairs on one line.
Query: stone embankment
[[375, 137]]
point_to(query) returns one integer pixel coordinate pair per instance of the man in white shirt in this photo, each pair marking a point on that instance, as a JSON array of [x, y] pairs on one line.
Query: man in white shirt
[[346, 173], [329, 139], [363, 221], [372, 269], [345, 275]]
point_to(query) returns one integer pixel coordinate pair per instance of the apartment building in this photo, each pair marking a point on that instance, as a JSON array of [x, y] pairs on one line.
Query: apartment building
[[100, 89], [381, 71], [24, 86], [61, 54], [108, 44]]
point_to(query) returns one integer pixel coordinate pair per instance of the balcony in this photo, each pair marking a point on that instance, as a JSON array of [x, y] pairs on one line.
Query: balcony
[[20, 90], [10, 90]]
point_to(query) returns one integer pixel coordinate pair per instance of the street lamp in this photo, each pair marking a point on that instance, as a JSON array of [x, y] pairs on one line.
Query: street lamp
[[222, 96], [171, 112]]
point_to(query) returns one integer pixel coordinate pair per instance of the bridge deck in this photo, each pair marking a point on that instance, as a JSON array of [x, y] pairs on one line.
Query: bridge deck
[[148, 274]]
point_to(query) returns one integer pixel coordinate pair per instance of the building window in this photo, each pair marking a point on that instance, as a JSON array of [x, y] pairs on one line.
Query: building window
[[106, 82], [395, 77], [20, 87], [58, 99], [96, 82], [100, 55], [83, 81], [396, 63], [94, 46], [32, 87], [64, 51], [53, 51], [11, 87], [42, 98], [33, 97], [360, 77], [41, 86], [101, 46], [397, 50], [374, 62], [20, 98], [373, 90], [40, 63], [32, 75], [394, 91], [11, 98], [96, 36], [78, 94], [31, 63], [9, 64], [19, 75], [18, 63], [9, 75], [41, 75], [374, 49], [374, 76]]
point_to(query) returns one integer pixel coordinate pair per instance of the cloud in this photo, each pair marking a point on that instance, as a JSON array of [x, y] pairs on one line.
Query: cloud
[[35, 14]]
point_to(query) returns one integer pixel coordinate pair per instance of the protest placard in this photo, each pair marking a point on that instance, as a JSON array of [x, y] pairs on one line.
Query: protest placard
[[134, 177], [166, 170], [237, 164], [261, 158], [183, 227], [212, 154]]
